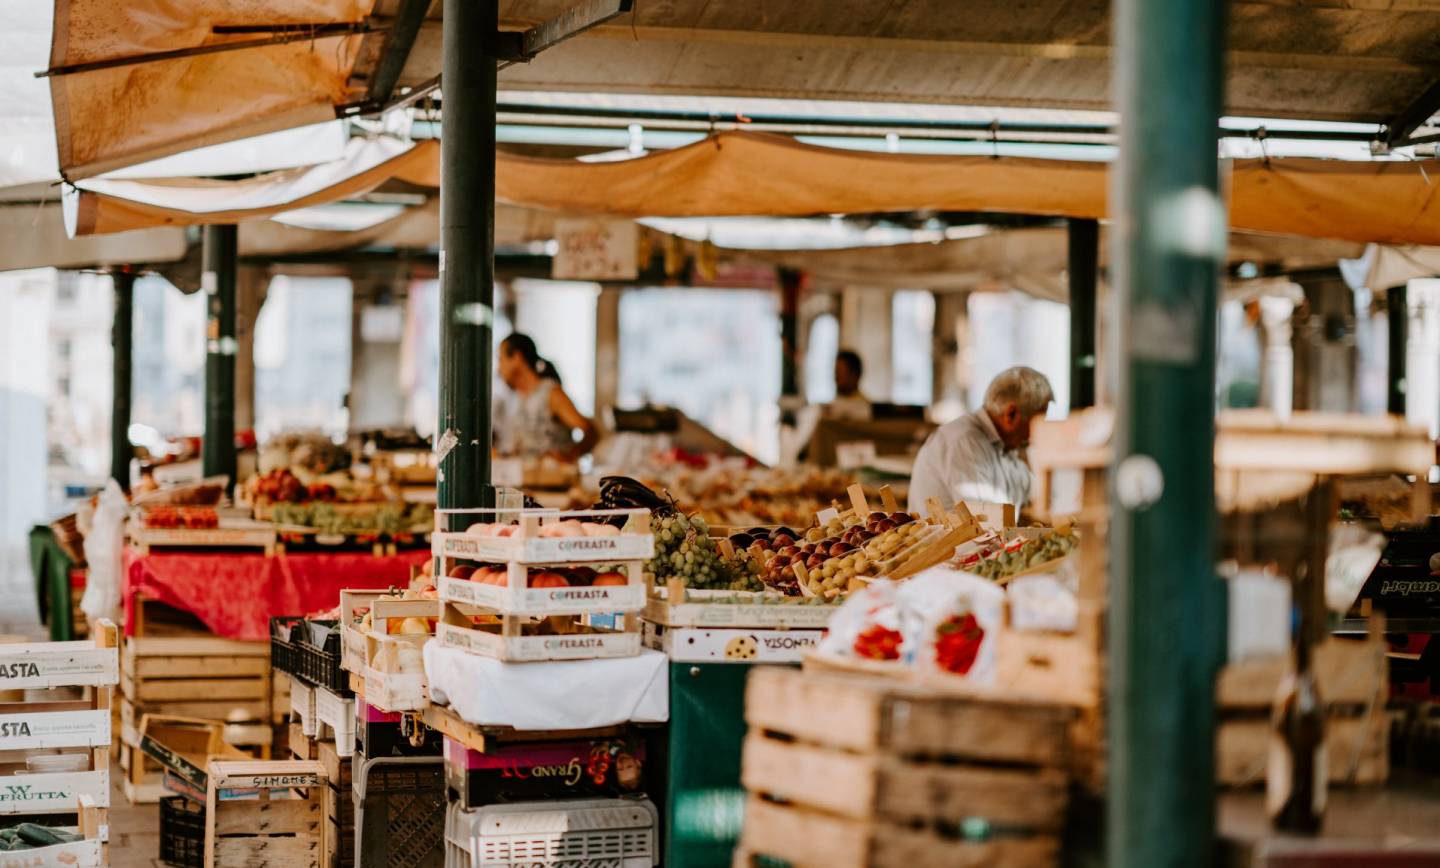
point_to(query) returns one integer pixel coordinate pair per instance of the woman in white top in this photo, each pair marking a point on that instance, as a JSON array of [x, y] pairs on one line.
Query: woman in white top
[[539, 419]]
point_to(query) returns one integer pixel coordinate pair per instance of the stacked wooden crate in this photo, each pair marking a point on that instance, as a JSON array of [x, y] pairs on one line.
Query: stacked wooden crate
[[55, 736], [281, 826], [198, 677], [1352, 676], [337, 838], [848, 771]]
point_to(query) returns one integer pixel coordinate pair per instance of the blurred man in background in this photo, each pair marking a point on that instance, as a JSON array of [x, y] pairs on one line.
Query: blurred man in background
[[850, 402]]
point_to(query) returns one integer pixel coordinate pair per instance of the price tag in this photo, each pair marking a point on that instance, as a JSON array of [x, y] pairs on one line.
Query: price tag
[[856, 453], [509, 472]]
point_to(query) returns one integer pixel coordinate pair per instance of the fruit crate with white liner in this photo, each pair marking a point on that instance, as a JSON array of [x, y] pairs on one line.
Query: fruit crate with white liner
[[522, 585], [392, 666]]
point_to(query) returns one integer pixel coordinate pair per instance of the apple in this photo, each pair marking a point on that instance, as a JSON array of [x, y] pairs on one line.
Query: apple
[[790, 551], [901, 518], [611, 579], [839, 549], [462, 571], [814, 561]]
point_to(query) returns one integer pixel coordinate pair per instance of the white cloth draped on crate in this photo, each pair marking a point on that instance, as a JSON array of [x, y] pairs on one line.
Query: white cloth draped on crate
[[564, 694]]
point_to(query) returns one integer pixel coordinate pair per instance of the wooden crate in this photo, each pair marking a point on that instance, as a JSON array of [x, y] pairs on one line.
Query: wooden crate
[[42, 718], [1353, 681], [861, 771], [280, 827], [89, 852]]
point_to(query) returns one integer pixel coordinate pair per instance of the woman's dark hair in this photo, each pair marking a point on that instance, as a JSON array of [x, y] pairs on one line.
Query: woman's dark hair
[[525, 346]]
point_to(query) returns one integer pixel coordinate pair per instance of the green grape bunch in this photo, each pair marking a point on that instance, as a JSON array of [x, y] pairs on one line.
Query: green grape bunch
[[685, 550]]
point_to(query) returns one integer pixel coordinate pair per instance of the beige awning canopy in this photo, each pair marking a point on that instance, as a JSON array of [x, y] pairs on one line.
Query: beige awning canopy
[[128, 85], [758, 174]]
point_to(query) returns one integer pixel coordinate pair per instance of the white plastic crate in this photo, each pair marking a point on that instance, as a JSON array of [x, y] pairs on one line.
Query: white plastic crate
[[556, 834]]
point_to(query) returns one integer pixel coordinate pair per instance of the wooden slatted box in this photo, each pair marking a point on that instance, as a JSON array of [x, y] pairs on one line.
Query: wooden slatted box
[[860, 772]]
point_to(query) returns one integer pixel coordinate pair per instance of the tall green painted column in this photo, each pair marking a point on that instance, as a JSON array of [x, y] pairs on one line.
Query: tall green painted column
[[123, 278], [217, 281], [467, 250], [1167, 623], [1083, 269]]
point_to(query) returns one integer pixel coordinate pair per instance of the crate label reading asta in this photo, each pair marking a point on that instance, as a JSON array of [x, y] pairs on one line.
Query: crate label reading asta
[[58, 668], [55, 729]]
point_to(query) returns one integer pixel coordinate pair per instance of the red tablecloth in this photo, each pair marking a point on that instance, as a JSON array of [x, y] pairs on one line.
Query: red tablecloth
[[236, 594]]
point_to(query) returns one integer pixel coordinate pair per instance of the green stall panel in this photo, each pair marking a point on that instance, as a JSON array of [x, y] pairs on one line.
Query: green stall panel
[[704, 804]]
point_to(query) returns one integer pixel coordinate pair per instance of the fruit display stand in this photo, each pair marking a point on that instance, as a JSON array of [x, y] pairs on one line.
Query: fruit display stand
[[858, 771], [563, 706], [531, 611], [56, 749]]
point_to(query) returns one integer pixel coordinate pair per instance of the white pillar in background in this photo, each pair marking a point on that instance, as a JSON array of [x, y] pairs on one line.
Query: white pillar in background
[[1422, 359], [1277, 361]]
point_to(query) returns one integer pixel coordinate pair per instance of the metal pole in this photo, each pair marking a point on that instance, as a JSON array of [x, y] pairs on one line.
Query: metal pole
[[218, 282], [1084, 272], [123, 279], [1399, 321], [790, 282], [1167, 620], [470, 45]]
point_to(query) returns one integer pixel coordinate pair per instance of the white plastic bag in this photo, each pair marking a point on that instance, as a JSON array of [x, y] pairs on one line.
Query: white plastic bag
[[939, 599], [869, 611], [1045, 600], [103, 546], [1354, 552]]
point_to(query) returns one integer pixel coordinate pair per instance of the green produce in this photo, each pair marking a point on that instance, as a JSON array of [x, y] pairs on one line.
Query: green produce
[[684, 550], [1005, 562]]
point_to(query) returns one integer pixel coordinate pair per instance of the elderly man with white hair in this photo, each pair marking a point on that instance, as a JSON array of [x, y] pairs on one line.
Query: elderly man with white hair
[[980, 457]]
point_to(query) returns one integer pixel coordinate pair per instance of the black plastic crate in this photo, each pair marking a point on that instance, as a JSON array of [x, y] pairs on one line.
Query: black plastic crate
[[400, 812], [316, 646], [182, 832], [282, 652]]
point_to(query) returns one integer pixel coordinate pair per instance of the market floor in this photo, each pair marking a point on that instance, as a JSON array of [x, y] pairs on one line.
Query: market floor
[[134, 829]]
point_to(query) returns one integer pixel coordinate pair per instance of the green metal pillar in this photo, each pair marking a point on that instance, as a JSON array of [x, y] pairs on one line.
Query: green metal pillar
[[791, 282], [218, 282], [1084, 274], [470, 45], [1397, 310], [123, 279], [1167, 622]]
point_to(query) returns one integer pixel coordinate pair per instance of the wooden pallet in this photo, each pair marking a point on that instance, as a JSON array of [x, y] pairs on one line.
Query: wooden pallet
[[282, 827], [854, 772]]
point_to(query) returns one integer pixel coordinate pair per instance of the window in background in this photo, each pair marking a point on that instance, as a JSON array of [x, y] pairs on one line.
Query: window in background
[[820, 350], [713, 353], [560, 317], [169, 359], [302, 356], [1012, 328], [912, 339]]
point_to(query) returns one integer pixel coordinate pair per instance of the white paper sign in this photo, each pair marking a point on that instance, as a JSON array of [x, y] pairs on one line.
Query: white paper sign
[[509, 472], [856, 453], [594, 249]]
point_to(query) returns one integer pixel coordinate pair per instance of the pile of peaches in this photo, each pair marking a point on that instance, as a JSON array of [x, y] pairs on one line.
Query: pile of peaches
[[542, 577]]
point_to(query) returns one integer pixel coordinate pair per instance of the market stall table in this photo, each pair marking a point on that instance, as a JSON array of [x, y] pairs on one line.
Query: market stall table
[[236, 593]]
